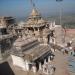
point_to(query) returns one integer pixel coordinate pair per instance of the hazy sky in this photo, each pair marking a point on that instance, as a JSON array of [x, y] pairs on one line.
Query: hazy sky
[[20, 8]]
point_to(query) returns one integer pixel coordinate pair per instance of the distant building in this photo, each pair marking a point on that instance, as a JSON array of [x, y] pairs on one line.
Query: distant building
[[6, 33], [7, 21]]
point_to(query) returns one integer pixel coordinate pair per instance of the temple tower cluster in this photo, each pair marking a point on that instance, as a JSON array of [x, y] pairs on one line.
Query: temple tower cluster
[[37, 27]]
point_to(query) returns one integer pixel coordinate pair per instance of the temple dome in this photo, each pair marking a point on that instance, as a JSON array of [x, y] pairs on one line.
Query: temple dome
[[35, 19], [34, 12]]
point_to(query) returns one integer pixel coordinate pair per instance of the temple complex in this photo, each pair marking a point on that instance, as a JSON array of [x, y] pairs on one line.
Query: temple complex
[[32, 45], [36, 46], [29, 42]]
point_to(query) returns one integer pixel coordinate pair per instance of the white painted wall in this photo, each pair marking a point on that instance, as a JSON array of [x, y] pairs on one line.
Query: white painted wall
[[18, 61]]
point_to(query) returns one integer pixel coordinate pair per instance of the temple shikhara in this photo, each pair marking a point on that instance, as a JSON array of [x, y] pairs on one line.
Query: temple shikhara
[[36, 27]]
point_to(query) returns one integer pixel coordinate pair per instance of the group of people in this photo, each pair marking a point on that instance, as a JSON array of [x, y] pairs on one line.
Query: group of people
[[73, 52], [49, 69], [68, 49]]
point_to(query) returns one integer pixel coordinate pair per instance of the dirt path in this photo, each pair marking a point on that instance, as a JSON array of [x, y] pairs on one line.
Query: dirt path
[[60, 62]]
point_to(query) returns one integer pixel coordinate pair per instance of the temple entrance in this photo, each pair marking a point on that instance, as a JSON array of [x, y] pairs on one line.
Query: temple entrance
[[43, 59]]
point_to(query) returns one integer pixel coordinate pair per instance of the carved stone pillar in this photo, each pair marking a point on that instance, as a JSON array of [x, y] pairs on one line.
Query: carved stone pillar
[[49, 59], [43, 68], [51, 40], [40, 66], [38, 30], [27, 65], [34, 69], [45, 61]]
